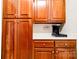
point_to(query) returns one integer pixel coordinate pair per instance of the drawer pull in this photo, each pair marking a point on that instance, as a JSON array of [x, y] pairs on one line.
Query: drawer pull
[[53, 52], [66, 44], [44, 44], [57, 51]]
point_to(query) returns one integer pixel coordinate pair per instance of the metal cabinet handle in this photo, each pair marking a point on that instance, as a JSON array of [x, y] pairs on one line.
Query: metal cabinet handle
[[57, 51], [53, 52], [44, 44], [66, 44]]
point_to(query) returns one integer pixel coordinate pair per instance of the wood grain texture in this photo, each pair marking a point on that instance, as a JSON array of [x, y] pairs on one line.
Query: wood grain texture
[[44, 44], [49, 11], [65, 53], [40, 10], [17, 39], [25, 9], [59, 51], [17, 9], [58, 9], [65, 44], [43, 53], [9, 8], [23, 41], [7, 40]]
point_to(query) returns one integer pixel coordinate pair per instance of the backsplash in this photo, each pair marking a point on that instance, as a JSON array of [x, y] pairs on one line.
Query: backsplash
[[47, 28], [42, 28]]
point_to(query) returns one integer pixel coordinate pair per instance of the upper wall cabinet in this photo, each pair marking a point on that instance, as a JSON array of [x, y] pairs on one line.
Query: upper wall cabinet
[[25, 8], [58, 10], [40, 10], [9, 8], [17, 9], [49, 11]]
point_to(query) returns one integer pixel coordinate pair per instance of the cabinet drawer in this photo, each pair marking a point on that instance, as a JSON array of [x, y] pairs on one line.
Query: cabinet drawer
[[43, 44], [65, 43]]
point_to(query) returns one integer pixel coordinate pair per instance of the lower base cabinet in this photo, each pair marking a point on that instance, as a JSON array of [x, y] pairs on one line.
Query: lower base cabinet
[[44, 53], [45, 50], [65, 53]]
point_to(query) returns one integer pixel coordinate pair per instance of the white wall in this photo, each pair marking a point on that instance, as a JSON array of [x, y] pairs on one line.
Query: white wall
[[70, 27]]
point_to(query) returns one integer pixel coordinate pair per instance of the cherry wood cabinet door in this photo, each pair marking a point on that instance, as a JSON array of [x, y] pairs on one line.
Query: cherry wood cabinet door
[[22, 45], [63, 53], [40, 10], [25, 8], [7, 39], [43, 53], [9, 8], [57, 11]]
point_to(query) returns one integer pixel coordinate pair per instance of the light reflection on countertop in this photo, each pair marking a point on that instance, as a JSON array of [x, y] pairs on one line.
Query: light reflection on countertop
[[49, 36]]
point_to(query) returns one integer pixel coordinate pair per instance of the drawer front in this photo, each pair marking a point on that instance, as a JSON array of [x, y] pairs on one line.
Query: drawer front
[[43, 44], [65, 43]]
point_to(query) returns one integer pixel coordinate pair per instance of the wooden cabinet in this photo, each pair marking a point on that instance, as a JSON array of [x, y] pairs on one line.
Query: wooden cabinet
[[25, 9], [43, 53], [9, 8], [49, 11], [58, 11], [65, 43], [40, 10], [16, 42], [23, 42], [7, 39], [57, 49], [43, 50], [17, 9], [65, 53], [65, 49], [45, 11], [43, 44]]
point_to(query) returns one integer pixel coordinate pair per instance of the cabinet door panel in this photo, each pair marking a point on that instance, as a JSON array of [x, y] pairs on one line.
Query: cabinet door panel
[[58, 10], [7, 40], [63, 53], [9, 8], [22, 41], [25, 8], [43, 53], [41, 10]]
